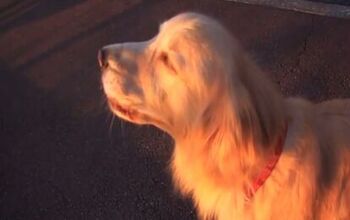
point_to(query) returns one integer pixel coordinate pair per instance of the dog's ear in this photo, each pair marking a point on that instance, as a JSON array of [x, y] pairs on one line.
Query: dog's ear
[[266, 102]]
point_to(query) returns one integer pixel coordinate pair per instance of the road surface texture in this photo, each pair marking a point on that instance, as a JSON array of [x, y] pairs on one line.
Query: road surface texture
[[63, 156]]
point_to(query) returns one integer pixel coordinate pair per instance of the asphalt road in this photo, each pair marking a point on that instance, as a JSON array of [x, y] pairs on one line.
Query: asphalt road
[[63, 156]]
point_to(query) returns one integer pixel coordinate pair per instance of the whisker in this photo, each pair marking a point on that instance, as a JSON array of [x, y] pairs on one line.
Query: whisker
[[122, 128], [122, 133], [111, 126]]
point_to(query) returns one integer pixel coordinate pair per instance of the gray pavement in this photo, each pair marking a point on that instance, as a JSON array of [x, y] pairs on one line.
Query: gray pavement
[[63, 156]]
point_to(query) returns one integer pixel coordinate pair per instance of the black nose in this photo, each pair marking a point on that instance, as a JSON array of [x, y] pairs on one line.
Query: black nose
[[102, 58]]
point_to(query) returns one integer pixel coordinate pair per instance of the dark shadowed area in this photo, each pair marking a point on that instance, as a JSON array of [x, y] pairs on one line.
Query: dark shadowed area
[[63, 156]]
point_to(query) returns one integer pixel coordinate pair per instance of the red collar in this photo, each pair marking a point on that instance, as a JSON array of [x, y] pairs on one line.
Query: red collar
[[266, 172]]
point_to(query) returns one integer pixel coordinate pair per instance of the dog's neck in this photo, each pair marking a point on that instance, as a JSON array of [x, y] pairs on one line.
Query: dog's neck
[[233, 157], [224, 151]]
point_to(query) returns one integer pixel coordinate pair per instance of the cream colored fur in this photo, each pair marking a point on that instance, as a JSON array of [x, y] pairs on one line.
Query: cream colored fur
[[194, 81]]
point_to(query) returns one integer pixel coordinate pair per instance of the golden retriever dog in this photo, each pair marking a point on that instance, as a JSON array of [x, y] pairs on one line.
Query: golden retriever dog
[[242, 151]]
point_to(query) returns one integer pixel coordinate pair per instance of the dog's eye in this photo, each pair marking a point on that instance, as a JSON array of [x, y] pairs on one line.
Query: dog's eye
[[164, 57]]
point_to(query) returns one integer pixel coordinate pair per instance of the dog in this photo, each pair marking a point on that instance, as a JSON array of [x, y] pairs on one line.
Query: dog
[[242, 151]]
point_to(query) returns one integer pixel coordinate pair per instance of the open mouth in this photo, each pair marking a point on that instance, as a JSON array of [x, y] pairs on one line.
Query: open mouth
[[123, 111]]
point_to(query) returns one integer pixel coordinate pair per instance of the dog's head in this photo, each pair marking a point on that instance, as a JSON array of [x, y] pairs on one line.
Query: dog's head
[[180, 77], [171, 78]]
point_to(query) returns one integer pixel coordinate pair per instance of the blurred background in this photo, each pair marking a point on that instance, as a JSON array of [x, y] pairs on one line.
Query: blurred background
[[63, 156]]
